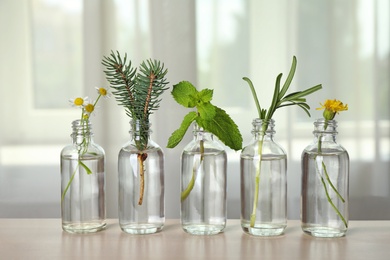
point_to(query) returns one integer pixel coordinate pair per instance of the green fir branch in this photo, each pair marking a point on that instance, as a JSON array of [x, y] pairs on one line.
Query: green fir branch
[[120, 75], [139, 93]]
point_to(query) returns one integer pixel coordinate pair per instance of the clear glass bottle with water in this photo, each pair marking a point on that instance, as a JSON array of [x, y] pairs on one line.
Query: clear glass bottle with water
[[203, 185], [141, 183], [325, 183], [263, 166], [83, 208]]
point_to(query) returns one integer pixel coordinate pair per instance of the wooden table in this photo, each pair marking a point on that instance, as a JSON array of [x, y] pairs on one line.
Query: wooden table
[[44, 239]]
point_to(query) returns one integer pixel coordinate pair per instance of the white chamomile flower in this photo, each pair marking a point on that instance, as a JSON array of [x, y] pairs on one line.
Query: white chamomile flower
[[103, 92], [78, 102]]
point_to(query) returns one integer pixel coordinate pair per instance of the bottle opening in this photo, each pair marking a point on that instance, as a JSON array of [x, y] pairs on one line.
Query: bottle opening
[[263, 126]]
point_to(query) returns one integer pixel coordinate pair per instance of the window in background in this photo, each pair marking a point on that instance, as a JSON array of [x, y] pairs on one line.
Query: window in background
[[41, 68], [352, 62], [56, 40], [132, 30], [344, 46]]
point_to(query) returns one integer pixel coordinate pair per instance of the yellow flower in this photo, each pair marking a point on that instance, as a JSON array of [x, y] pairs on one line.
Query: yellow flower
[[332, 107], [78, 102], [86, 116], [89, 108], [103, 92]]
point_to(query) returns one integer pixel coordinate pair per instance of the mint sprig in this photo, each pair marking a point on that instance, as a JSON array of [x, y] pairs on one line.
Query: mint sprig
[[208, 116]]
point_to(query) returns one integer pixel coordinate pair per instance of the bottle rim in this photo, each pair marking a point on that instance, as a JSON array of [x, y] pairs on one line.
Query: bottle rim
[[81, 129], [138, 126], [258, 123], [322, 126]]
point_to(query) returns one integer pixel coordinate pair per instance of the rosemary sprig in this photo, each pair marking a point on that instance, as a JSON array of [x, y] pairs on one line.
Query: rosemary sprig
[[279, 100]]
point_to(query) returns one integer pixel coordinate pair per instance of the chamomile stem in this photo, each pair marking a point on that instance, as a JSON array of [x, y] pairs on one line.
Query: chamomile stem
[[185, 193], [94, 104], [257, 183], [69, 182], [72, 177]]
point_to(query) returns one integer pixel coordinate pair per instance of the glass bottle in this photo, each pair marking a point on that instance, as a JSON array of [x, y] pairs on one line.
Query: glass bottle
[[141, 182], [325, 183], [203, 185], [83, 206], [263, 166]]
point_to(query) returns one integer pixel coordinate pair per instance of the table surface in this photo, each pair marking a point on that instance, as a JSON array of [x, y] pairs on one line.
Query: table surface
[[44, 239]]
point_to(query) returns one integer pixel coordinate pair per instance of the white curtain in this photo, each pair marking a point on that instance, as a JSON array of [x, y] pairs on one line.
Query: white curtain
[[51, 51]]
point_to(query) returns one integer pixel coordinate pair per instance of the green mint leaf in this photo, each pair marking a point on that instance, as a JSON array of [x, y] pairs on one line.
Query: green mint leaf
[[209, 117], [178, 135], [185, 94], [206, 111], [205, 95], [224, 128]]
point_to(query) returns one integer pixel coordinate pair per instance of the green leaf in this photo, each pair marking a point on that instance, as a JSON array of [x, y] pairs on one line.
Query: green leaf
[[260, 111], [184, 93], [292, 95], [289, 79], [305, 108], [263, 113], [278, 99], [205, 95], [206, 111], [178, 135], [208, 116], [302, 105], [223, 127], [300, 94], [275, 98], [85, 167]]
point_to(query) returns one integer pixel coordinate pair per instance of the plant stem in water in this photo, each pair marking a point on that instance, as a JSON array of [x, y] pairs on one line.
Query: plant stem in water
[[331, 185], [257, 183], [69, 182], [332, 204], [190, 186], [141, 159], [72, 177]]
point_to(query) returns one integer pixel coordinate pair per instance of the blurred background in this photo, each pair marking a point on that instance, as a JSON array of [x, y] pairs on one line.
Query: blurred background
[[51, 51]]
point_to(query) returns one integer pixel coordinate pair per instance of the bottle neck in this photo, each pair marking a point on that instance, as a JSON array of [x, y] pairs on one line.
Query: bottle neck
[[325, 130], [139, 128], [140, 133], [263, 128], [82, 132], [201, 135]]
